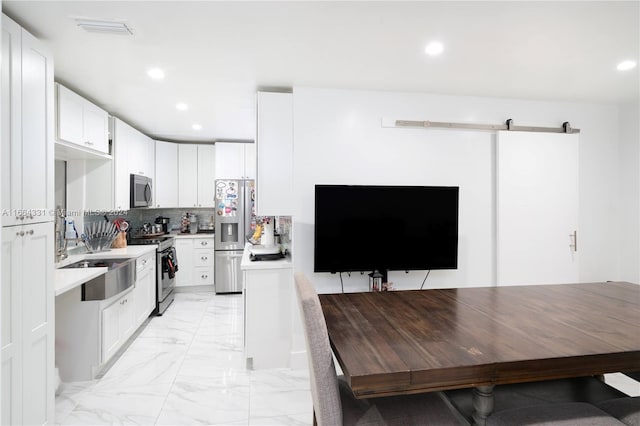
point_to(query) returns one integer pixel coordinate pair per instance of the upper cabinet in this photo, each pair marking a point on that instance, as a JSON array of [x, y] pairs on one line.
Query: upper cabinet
[[235, 160], [274, 142], [80, 122], [166, 184], [27, 128], [133, 153], [196, 176]]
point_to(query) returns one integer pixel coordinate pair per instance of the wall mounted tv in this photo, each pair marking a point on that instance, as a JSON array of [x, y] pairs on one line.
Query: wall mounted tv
[[367, 228]]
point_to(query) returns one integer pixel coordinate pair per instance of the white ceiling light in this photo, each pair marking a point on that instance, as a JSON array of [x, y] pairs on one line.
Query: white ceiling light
[[156, 73], [626, 65], [181, 106], [196, 127], [98, 26], [434, 48]]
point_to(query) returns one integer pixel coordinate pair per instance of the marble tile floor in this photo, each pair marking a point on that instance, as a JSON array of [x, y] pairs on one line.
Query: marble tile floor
[[187, 368]]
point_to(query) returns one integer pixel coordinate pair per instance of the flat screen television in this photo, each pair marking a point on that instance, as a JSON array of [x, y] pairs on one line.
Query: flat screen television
[[367, 228]]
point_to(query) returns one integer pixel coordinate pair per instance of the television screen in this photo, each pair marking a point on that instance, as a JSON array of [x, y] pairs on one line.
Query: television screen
[[366, 228]]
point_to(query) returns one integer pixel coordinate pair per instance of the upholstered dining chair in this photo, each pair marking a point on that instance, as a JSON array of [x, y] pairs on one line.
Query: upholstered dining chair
[[627, 410], [333, 401]]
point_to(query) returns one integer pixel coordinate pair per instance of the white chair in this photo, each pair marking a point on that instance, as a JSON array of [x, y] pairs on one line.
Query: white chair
[[333, 401]]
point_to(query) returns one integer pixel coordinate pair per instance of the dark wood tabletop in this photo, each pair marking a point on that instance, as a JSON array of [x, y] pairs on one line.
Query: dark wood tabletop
[[401, 342]]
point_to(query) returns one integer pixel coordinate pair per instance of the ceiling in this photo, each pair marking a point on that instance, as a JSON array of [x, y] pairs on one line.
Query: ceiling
[[216, 54]]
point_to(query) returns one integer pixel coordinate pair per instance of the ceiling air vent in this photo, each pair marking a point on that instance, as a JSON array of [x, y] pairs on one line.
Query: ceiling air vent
[[97, 26]]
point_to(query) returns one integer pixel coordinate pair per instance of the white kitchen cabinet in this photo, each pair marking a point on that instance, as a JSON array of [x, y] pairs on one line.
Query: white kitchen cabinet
[[196, 261], [121, 180], [206, 175], [166, 182], [184, 249], [235, 160], [80, 122], [274, 144], [27, 128], [196, 176], [187, 175], [89, 333], [268, 317], [27, 311], [117, 324], [145, 291], [27, 324], [133, 153]]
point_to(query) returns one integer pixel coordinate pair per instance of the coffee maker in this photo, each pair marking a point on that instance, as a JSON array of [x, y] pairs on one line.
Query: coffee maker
[[164, 221]]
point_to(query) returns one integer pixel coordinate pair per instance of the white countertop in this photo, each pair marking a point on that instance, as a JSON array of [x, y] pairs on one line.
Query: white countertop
[[248, 265], [67, 279]]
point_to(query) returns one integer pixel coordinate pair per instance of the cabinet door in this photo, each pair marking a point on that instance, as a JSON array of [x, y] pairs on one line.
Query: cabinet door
[[206, 175], [110, 331], [229, 160], [38, 323], [121, 154], [188, 175], [70, 127], [145, 296], [148, 155], [184, 250], [11, 326], [166, 182], [37, 130], [126, 316], [274, 181], [11, 125], [95, 127]]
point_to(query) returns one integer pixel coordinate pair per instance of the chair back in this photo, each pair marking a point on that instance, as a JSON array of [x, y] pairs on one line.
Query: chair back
[[324, 380]]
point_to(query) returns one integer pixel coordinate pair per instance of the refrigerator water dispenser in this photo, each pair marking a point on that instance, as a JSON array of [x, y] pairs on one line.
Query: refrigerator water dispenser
[[229, 232]]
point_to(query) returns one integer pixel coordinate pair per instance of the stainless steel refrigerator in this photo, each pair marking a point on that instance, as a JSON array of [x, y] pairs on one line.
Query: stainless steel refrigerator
[[235, 219]]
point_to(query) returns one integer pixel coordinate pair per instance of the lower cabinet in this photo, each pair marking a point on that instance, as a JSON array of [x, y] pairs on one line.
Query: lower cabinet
[[89, 333], [117, 325], [195, 261], [267, 317]]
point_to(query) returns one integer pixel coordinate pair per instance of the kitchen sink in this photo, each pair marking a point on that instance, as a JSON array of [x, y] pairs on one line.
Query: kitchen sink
[[120, 276]]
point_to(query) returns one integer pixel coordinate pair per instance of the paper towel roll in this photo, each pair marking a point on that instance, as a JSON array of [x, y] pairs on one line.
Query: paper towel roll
[[267, 235]]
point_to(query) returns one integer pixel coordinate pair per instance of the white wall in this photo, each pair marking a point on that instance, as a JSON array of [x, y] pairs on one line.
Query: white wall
[[338, 138], [629, 206]]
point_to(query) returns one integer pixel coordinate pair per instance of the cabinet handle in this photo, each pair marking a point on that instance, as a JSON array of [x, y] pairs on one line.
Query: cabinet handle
[[204, 243], [30, 232], [19, 217], [20, 234], [204, 258], [204, 276]]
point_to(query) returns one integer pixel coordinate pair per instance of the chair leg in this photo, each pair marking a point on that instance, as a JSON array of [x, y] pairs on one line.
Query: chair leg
[[315, 422]]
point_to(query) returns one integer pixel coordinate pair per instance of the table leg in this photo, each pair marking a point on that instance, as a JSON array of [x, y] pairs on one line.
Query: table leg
[[482, 404]]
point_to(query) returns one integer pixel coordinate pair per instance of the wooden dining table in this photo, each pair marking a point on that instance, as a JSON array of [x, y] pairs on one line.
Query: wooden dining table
[[403, 342]]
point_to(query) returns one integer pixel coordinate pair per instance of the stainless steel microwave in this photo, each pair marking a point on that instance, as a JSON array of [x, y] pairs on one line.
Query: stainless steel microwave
[[141, 191]]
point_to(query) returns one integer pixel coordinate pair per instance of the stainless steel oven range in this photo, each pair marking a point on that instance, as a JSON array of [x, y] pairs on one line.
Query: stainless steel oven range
[[166, 267]]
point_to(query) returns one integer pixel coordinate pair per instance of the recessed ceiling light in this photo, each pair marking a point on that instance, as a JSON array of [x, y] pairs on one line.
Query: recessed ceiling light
[[434, 48], [156, 73], [182, 106], [626, 65], [196, 127]]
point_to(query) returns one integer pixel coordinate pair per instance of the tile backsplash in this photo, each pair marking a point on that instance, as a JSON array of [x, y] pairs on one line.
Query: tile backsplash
[[138, 217]]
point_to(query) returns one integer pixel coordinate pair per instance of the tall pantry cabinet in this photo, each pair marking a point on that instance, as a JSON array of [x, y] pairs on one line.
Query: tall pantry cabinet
[[27, 297]]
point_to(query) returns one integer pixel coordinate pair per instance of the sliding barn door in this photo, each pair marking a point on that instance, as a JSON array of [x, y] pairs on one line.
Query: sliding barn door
[[537, 208]]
